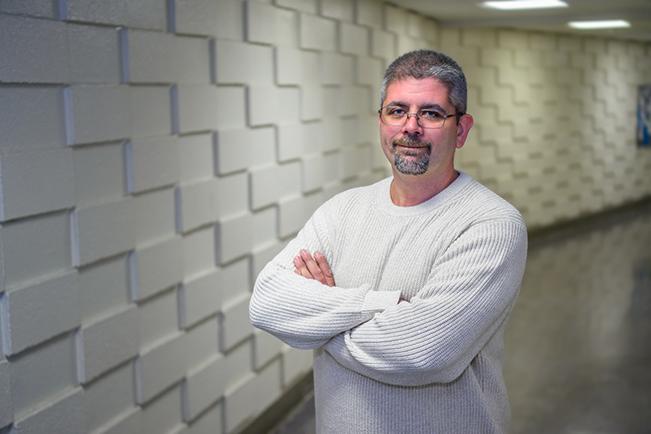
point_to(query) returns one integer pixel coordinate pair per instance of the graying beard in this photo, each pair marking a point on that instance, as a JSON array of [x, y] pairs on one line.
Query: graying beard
[[405, 167]]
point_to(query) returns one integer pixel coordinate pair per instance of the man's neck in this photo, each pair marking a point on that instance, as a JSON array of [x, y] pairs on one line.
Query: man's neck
[[411, 190]]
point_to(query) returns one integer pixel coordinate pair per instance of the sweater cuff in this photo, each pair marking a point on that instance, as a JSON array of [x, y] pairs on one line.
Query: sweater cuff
[[376, 301]]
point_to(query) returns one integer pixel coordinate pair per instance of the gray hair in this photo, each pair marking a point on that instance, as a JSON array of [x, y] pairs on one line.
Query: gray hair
[[420, 64]]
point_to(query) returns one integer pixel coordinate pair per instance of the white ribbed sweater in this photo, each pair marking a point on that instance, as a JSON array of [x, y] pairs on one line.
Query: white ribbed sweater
[[430, 364]]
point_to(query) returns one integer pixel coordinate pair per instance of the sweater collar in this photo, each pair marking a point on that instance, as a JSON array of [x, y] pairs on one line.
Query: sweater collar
[[384, 202]]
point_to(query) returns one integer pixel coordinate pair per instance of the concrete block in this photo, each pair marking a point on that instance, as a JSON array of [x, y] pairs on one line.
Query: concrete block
[[354, 39], [496, 57], [107, 342], [203, 387], [199, 298], [202, 342], [261, 257], [158, 319], [383, 44], [154, 216], [98, 113], [291, 216], [317, 33], [33, 50], [252, 397], [542, 41], [290, 141], [311, 102], [39, 377], [235, 281], [199, 252], [99, 173], [152, 163], [35, 182], [313, 172], [104, 230], [479, 37], [150, 111], [110, 396], [31, 118], [195, 158], [222, 19], [34, 248], [145, 14], [369, 71], [265, 348], [127, 422], [38, 312], [156, 57], [208, 108], [163, 415], [209, 422], [272, 105], [340, 10], [49, 417], [309, 6], [270, 25], [369, 13], [395, 19], [151, 56], [160, 367], [192, 59], [243, 63], [234, 237], [333, 138], [336, 69], [235, 324], [296, 67], [265, 224], [94, 54], [196, 204], [156, 268], [231, 195], [104, 287], [431, 30], [296, 365], [511, 39], [355, 161], [270, 183], [238, 366], [238, 149], [44, 9], [6, 410]]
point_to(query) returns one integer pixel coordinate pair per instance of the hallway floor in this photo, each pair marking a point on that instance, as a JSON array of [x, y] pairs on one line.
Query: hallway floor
[[578, 346]]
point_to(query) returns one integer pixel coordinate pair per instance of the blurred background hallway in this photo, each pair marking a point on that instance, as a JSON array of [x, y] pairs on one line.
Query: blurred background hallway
[[577, 345]]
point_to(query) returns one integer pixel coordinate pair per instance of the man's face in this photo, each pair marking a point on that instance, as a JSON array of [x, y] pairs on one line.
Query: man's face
[[410, 148]]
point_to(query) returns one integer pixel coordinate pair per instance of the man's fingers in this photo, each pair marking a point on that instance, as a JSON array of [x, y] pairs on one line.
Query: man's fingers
[[312, 266], [301, 268], [325, 268]]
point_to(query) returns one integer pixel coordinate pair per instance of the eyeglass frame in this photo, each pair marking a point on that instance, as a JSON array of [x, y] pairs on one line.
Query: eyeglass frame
[[417, 115]]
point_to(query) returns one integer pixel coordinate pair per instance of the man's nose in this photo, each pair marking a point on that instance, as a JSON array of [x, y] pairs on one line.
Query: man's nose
[[411, 124]]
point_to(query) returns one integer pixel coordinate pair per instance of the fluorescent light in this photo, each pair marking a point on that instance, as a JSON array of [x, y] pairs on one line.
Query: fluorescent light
[[608, 24], [511, 5]]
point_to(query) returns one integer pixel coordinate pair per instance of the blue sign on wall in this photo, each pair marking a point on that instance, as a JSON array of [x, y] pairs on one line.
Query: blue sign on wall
[[644, 116]]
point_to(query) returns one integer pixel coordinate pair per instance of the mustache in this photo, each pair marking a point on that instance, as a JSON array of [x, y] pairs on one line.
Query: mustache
[[411, 142]]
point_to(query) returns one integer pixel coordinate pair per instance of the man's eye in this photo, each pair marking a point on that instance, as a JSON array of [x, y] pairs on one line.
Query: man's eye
[[431, 115], [395, 111]]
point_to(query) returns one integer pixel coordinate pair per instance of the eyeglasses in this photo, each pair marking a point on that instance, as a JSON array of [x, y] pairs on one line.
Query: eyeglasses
[[397, 116]]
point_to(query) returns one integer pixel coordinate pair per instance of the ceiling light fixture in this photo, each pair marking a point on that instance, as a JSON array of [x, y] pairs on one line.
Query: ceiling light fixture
[[607, 24], [510, 5]]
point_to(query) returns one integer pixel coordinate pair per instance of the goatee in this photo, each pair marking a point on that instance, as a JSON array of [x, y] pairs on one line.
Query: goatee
[[411, 163]]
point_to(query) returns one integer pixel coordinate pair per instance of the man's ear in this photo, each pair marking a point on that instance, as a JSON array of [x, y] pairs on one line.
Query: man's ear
[[463, 128]]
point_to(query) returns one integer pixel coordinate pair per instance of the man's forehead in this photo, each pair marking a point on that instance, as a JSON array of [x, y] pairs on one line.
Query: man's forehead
[[428, 89]]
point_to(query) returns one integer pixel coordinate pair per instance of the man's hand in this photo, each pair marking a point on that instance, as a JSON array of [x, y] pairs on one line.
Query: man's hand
[[316, 267]]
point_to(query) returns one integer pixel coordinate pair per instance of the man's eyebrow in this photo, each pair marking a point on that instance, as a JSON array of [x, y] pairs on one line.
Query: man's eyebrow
[[425, 106]]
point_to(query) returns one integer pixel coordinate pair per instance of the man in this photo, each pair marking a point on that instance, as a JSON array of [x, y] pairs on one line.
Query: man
[[404, 287]]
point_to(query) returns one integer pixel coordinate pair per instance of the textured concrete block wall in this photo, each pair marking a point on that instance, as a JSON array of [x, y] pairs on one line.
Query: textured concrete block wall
[[555, 130], [155, 154]]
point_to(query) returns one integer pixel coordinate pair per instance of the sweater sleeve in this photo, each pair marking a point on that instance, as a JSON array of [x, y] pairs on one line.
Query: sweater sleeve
[[302, 312], [434, 337]]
